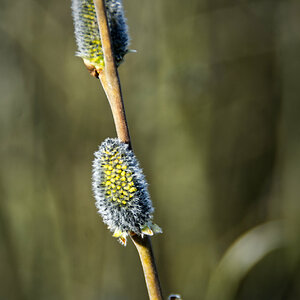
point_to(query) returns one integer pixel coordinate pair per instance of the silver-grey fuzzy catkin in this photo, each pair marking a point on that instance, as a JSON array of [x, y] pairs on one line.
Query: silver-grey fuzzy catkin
[[120, 189], [87, 30]]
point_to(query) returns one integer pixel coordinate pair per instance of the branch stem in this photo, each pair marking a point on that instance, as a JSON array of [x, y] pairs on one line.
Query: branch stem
[[111, 84], [109, 76], [144, 248]]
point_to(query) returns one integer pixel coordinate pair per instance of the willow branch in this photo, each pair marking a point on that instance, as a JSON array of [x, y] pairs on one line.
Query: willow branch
[[109, 76], [144, 248], [111, 84]]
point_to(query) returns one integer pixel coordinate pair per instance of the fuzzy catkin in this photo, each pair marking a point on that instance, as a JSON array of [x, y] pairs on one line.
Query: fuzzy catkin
[[120, 189], [87, 31]]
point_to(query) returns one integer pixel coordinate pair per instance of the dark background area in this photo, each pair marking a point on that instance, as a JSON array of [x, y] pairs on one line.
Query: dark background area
[[212, 101]]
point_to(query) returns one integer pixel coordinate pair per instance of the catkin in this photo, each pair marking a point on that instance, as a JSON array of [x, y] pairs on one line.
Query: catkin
[[121, 192], [87, 31]]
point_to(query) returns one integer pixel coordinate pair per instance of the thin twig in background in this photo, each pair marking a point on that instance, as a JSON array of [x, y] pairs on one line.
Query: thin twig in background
[[111, 84]]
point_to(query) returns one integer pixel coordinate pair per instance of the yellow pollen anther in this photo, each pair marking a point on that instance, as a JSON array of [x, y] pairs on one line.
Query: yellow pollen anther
[[112, 180], [109, 168], [123, 178], [129, 178], [126, 187], [117, 233], [123, 173], [118, 187], [124, 202], [118, 166], [107, 183], [118, 171], [124, 167], [133, 189], [107, 172], [113, 186], [125, 193], [123, 184]]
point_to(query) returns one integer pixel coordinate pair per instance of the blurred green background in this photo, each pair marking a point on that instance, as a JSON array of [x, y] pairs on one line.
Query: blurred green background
[[212, 101]]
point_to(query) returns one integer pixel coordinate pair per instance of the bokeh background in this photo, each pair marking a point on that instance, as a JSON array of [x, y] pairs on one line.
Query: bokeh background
[[212, 101]]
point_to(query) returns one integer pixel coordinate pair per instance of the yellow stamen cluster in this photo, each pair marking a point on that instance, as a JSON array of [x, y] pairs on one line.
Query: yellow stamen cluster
[[90, 43], [117, 181]]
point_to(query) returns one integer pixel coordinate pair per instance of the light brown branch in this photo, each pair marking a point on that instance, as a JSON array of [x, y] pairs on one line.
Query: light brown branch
[[111, 84], [109, 76], [144, 248]]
